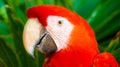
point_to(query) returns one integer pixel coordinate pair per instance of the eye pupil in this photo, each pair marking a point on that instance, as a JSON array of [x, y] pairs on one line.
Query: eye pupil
[[59, 22]]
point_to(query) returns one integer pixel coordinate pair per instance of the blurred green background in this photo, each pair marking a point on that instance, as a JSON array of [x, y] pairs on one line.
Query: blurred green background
[[102, 15]]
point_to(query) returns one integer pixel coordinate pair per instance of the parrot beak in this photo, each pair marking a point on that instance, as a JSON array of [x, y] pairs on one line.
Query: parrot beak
[[35, 36]]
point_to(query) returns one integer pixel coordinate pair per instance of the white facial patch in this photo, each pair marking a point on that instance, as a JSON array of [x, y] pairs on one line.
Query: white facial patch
[[60, 29]]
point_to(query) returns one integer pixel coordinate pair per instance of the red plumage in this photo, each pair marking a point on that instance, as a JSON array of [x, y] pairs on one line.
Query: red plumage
[[82, 47]]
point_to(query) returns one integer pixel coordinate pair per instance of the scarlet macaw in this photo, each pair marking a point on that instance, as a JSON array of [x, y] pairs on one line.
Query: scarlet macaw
[[64, 37]]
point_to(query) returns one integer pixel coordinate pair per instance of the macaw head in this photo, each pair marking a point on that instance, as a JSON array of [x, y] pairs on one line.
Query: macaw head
[[51, 29]]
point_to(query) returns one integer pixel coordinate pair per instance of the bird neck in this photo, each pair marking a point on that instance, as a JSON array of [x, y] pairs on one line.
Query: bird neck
[[72, 57]]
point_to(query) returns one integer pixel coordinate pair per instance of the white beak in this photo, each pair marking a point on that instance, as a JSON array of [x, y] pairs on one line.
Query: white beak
[[31, 35]]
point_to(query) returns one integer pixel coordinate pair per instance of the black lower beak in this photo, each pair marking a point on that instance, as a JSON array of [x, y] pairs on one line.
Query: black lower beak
[[46, 44]]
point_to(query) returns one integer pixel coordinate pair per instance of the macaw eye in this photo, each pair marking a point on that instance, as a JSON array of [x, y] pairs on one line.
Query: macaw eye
[[60, 22]]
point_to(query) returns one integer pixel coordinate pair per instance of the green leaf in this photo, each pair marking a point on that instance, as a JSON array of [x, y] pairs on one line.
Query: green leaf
[[115, 43], [114, 46], [100, 20], [17, 10], [7, 55], [17, 27], [86, 7], [3, 14], [116, 53], [4, 29], [5, 32], [103, 44], [2, 63], [49, 1]]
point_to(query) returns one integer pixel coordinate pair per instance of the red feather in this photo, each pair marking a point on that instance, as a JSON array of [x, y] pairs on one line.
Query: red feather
[[82, 46]]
